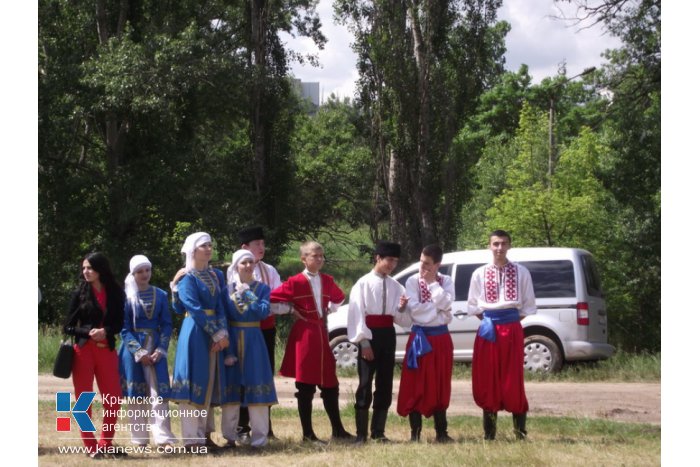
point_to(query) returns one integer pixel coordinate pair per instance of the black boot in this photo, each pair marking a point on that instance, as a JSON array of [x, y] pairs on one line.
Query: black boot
[[490, 419], [330, 403], [441, 435], [361, 421], [305, 405], [519, 421], [416, 421], [270, 434], [378, 424]]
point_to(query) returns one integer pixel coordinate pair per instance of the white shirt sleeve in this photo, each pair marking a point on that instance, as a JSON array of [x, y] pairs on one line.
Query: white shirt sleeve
[[526, 288], [474, 294], [357, 328]]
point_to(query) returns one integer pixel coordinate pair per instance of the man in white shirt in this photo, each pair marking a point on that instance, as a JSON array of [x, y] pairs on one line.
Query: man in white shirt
[[426, 374], [500, 294], [375, 300]]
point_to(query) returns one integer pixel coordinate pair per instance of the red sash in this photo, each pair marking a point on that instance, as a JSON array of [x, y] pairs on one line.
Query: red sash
[[379, 321]]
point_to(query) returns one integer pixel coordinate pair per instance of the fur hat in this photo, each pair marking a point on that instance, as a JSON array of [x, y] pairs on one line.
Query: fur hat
[[249, 234]]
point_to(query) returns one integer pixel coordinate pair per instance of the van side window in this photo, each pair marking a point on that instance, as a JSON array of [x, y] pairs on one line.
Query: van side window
[[462, 280], [590, 271], [552, 279]]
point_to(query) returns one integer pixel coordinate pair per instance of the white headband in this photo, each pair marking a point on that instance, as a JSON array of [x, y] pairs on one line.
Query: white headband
[[130, 287], [238, 256], [191, 243]]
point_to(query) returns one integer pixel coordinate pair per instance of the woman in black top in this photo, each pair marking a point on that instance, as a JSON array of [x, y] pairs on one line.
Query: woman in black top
[[96, 315]]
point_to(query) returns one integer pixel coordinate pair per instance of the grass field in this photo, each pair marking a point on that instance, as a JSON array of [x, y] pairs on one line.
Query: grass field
[[552, 441]]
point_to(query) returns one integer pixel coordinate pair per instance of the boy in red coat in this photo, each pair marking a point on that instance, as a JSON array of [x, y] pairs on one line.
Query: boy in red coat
[[308, 357]]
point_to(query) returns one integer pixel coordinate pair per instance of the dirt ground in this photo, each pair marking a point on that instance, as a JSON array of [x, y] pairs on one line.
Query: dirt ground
[[624, 402]]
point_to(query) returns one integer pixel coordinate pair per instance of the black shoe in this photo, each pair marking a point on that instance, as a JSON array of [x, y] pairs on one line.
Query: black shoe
[[97, 455], [444, 438], [416, 421], [341, 435], [490, 420], [381, 438], [519, 422], [360, 440], [312, 439]]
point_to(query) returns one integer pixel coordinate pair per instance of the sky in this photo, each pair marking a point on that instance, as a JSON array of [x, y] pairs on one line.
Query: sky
[[536, 39]]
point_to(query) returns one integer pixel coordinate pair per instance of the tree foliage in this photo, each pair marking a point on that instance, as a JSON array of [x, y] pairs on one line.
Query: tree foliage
[[148, 129], [422, 67]]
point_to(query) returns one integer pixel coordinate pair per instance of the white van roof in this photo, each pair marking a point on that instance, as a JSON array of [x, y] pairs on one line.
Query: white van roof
[[514, 254]]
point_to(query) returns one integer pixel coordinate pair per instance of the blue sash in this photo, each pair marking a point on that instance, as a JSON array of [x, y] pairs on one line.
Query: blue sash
[[420, 345], [487, 329]]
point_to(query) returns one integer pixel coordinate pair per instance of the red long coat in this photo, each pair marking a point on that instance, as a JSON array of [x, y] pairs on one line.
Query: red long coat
[[308, 357]]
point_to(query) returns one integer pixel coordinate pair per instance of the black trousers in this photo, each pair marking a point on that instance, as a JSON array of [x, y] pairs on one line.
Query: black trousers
[[270, 336], [383, 345]]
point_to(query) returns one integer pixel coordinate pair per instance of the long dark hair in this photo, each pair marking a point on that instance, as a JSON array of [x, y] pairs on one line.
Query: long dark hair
[[100, 264]]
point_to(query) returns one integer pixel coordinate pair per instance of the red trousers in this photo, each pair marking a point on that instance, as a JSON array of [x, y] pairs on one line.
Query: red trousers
[[95, 361], [497, 371], [427, 389]]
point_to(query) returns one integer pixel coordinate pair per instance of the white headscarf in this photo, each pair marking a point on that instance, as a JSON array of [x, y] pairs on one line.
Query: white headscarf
[[130, 286], [232, 272], [191, 243]]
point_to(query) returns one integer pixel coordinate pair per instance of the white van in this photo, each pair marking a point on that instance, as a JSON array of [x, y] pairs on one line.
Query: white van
[[570, 323]]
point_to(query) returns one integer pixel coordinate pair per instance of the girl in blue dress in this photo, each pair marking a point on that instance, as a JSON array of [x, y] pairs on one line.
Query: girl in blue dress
[[251, 375], [143, 355], [198, 376]]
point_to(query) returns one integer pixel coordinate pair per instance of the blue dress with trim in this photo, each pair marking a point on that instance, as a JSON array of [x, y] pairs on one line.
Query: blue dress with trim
[[250, 381], [204, 299], [146, 329]]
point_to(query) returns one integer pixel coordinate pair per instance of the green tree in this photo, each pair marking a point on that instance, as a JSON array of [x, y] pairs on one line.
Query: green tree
[[569, 211], [145, 127], [333, 170], [632, 171], [422, 67]]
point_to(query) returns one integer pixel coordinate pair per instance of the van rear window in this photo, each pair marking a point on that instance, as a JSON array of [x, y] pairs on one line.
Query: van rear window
[[551, 279], [590, 270]]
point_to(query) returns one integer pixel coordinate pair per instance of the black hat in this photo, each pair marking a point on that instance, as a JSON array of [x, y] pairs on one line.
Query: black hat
[[249, 234], [385, 248]]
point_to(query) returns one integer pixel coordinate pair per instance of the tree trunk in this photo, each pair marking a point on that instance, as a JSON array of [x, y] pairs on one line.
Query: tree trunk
[[258, 47], [423, 202]]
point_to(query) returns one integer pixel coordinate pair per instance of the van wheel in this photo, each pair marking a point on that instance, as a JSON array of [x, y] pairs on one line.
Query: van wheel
[[344, 351], [542, 354]]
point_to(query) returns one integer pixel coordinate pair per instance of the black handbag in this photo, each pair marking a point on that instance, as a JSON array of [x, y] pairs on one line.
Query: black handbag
[[64, 360]]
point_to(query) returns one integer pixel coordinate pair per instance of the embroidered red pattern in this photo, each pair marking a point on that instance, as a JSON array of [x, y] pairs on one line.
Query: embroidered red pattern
[[425, 295], [510, 286]]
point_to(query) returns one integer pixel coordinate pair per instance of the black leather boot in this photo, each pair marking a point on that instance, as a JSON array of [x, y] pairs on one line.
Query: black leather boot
[[490, 419], [305, 405], [378, 424], [416, 421], [330, 403], [361, 421], [519, 421], [441, 435]]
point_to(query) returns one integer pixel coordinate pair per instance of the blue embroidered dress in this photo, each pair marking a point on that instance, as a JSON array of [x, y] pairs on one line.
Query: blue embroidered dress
[[147, 327], [250, 381], [197, 377]]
